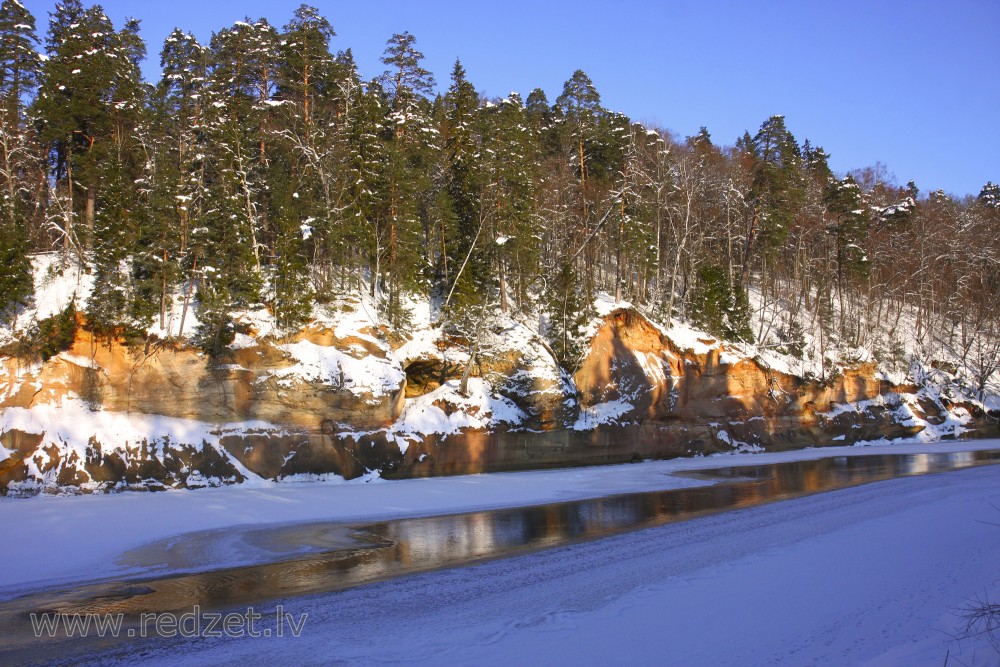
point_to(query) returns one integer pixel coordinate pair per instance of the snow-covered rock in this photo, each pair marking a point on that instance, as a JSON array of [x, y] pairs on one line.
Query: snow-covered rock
[[346, 396]]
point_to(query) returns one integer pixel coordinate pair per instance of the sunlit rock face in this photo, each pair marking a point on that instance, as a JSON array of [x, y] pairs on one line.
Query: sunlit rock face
[[629, 361], [635, 372], [100, 416], [302, 382], [342, 401]]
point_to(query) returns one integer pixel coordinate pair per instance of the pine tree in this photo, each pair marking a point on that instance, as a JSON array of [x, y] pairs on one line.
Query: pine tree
[[367, 180], [178, 195], [849, 226], [225, 242], [410, 145], [777, 189], [229, 243], [291, 292], [512, 156], [19, 61], [466, 254], [989, 195], [816, 163], [116, 231], [19, 69], [229, 279], [125, 261], [16, 287], [632, 234], [406, 78], [580, 106], [179, 107], [542, 119], [314, 93], [306, 68], [566, 313], [90, 100], [92, 110]]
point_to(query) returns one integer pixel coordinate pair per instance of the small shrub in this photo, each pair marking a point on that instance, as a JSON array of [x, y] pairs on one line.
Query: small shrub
[[721, 309], [793, 340], [50, 336]]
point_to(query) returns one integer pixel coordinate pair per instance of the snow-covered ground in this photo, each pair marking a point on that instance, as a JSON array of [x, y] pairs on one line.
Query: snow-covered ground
[[872, 575], [50, 540]]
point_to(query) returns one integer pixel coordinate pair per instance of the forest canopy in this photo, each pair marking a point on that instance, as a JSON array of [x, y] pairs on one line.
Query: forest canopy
[[262, 169]]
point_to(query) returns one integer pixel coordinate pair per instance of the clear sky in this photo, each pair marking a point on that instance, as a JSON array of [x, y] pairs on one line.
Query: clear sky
[[911, 83]]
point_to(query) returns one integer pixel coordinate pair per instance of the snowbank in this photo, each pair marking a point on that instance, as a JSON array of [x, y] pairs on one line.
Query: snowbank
[[872, 575], [79, 538]]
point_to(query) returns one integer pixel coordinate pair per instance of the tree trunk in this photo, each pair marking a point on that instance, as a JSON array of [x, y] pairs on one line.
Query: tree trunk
[[748, 249], [187, 296], [163, 289], [89, 215]]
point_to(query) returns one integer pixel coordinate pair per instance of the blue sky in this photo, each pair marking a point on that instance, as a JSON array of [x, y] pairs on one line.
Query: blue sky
[[913, 84]]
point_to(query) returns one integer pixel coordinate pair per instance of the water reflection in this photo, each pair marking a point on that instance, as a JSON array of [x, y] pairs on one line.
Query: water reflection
[[350, 557]]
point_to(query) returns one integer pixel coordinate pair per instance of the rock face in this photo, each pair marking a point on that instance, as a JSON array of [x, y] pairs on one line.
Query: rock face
[[305, 382], [101, 417], [719, 398], [169, 417], [35, 466], [516, 363]]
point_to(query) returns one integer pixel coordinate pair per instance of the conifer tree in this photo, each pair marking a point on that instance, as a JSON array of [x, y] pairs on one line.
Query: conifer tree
[[226, 241], [306, 68], [90, 99], [19, 69], [16, 286], [849, 227], [116, 231], [777, 189], [178, 190], [409, 148], [406, 80], [180, 115], [566, 312], [291, 293], [632, 232], [466, 248], [542, 119], [126, 263], [242, 81], [367, 180], [989, 195], [313, 100], [580, 106], [718, 308], [511, 150]]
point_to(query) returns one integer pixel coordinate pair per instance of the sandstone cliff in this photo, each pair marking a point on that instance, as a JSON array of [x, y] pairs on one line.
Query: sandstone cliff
[[342, 400], [718, 395]]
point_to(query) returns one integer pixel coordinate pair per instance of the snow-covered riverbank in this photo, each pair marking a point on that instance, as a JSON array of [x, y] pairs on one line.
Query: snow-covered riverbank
[[870, 575], [71, 539]]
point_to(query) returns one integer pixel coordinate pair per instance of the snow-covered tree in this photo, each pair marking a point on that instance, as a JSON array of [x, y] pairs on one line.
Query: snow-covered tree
[[411, 142], [777, 188], [19, 69], [89, 103]]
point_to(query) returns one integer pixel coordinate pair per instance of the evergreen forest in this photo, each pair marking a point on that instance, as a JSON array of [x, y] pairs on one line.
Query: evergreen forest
[[263, 170]]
